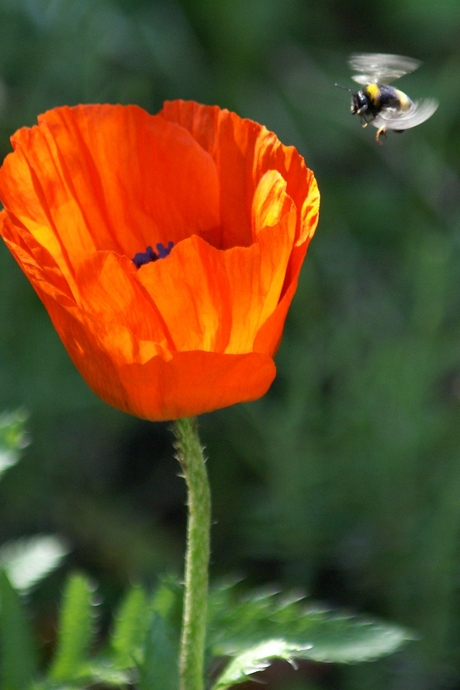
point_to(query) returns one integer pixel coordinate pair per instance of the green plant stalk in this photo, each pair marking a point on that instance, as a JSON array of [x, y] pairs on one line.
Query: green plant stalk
[[192, 461]]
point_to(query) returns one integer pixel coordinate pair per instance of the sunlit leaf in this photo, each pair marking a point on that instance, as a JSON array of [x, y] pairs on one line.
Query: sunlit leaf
[[94, 673], [266, 625], [251, 661], [27, 561], [167, 601], [13, 438], [75, 629], [103, 673], [131, 624]]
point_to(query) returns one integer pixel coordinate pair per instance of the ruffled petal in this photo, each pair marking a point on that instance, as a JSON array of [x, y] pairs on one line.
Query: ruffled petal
[[107, 177], [191, 330], [243, 152], [216, 300]]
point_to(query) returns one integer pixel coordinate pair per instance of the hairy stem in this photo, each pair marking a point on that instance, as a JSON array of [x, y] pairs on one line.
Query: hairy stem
[[191, 458]]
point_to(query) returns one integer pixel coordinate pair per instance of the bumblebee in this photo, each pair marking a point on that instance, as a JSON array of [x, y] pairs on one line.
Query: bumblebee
[[382, 105]]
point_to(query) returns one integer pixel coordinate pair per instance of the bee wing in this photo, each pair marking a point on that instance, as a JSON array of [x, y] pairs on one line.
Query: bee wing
[[380, 67], [390, 118]]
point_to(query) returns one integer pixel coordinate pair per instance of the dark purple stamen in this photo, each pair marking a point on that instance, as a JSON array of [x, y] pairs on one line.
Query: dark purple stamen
[[164, 251], [142, 258]]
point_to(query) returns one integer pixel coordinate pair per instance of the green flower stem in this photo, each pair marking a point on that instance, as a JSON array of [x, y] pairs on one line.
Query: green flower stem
[[190, 456]]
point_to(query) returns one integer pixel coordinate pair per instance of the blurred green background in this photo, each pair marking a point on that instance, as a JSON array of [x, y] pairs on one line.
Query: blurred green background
[[344, 480]]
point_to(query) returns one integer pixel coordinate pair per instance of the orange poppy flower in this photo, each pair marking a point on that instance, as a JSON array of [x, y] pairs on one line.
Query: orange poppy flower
[[166, 249]]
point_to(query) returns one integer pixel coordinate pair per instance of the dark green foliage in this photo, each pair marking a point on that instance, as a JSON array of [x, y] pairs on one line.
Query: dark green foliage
[[18, 656], [160, 668]]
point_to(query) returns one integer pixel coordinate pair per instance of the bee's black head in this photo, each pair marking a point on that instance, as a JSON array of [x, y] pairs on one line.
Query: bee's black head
[[359, 102]]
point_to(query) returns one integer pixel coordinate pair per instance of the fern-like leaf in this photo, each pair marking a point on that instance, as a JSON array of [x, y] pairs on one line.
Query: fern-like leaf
[[75, 630]]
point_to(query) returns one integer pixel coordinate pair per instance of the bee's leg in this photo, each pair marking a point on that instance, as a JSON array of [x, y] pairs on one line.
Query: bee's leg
[[380, 133], [366, 122]]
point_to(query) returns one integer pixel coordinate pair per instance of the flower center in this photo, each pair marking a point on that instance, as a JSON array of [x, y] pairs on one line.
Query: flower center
[[149, 255]]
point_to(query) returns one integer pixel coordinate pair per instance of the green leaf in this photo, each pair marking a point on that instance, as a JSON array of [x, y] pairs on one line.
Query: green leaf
[[160, 659], [29, 560], [167, 602], [75, 630], [13, 438], [252, 661], [264, 626], [18, 654], [343, 638], [131, 625], [160, 665], [98, 672]]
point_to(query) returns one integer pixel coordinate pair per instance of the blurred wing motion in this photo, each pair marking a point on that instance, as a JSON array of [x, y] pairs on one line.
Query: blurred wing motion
[[390, 118], [381, 68]]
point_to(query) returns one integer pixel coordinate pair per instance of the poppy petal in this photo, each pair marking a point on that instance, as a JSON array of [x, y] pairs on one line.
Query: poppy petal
[[130, 327], [74, 194], [155, 389], [92, 190], [217, 301], [243, 152]]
